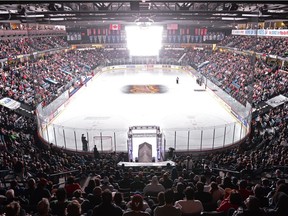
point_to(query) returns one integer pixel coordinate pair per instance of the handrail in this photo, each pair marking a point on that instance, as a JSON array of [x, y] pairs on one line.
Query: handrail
[[63, 173], [226, 170]]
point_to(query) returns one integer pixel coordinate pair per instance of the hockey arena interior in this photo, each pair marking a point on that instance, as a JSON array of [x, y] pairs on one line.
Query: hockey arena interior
[[143, 107]]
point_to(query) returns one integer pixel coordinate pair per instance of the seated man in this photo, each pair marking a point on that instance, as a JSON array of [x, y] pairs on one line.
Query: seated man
[[168, 209], [189, 205]]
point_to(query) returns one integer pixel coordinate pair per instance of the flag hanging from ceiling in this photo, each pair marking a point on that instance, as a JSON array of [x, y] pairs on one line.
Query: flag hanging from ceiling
[[115, 27], [172, 26]]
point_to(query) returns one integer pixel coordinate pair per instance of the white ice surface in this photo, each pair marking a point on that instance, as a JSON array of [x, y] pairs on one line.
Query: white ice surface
[[102, 107]]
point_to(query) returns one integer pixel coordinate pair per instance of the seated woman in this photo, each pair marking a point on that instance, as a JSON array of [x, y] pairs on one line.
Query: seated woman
[[252, 208]]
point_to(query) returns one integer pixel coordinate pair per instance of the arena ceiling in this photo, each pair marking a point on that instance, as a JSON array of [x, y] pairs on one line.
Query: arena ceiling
[[200, 12]]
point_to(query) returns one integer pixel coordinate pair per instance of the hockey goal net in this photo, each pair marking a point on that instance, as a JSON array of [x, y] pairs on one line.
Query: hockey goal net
[[103, 143]]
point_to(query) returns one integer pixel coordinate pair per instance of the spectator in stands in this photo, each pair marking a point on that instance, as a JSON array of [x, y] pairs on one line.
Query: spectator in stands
[[216, 192], [85, 203], [205, 197], [41, 191], [189, 205], [96, 197], [280, 188], [89, 188], [174, 174], [168, 209], [18, 191], [19, 169], [10, 197], [266, 186], [154, 187], [43, 208], [233, 201], [113, 183], [136, 207], [14, 209], [137, 184], [2, 203], [258, 191], [227, 183], [106, 184], [119, 200], [58, 206], [189, 164], [107, 207], [253, 208], [160, 201], [145, 205], [74, 208], [179, 194], [125, 182], [71, 186], [244, 192], [281, 208], [166, 181], [29, 194]]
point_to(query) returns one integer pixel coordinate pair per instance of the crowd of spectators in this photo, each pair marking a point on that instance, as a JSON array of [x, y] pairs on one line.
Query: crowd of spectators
[[240, 76], [11, 48], [189, 187], [171, 55], [231, 72], [195, 186], [266, 45], [38, 80], [28, 186], [195, 56], [120, 55]]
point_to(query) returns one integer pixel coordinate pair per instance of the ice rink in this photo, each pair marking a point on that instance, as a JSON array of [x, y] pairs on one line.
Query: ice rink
[[113, 101]]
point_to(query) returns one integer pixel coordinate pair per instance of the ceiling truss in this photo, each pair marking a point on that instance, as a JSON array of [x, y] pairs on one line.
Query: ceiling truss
[[169, 11]]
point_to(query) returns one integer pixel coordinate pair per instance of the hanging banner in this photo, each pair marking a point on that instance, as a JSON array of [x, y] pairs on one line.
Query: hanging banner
[[99, 38], [172, 26], [188, 38], [115, 27]]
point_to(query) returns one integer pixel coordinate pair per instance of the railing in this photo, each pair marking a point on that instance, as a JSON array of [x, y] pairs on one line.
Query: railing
[[198, 139], [51, 177], [144, 61], [181, 139]]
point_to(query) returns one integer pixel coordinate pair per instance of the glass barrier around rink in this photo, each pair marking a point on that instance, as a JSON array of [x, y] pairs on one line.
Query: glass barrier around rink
[[244, 111], [198, 139], [193, 139], [241, 111], [145, 61]]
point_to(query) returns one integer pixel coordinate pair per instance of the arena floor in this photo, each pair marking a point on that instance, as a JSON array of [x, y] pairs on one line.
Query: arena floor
[[113, 101]]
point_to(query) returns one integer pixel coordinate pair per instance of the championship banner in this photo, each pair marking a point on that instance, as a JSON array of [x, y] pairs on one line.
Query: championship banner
[[277, 101], [172, 26], [10, 103]]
